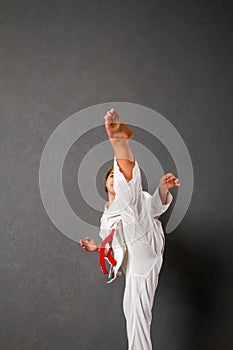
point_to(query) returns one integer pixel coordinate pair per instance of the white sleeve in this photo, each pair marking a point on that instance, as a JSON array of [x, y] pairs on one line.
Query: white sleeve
[[156, 206], [131, 190]]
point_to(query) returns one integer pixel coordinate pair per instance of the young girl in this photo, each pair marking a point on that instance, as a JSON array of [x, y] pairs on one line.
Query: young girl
[[132, 235]]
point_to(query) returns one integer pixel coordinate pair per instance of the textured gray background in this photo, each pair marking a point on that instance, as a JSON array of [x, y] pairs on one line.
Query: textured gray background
[[60, 57]]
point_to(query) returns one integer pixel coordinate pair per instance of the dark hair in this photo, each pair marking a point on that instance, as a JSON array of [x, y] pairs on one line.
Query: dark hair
[[107, 175]]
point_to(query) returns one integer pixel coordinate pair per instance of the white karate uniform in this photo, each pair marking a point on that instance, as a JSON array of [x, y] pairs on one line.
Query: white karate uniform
[[138, 245]]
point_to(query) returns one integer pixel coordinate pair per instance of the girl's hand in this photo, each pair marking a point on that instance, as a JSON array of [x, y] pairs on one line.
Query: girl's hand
[[168, 181], [89, 245]]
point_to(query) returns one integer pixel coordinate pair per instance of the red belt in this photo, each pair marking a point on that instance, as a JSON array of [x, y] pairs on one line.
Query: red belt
[[110, 257]]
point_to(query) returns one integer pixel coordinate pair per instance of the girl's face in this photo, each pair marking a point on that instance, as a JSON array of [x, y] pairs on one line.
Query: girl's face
[[109, 182]]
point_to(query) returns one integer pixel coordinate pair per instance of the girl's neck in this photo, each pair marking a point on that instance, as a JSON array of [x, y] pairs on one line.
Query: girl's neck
[[111, 198]]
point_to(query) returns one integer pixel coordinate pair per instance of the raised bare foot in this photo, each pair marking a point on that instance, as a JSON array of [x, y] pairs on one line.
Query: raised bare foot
[[115, 127]]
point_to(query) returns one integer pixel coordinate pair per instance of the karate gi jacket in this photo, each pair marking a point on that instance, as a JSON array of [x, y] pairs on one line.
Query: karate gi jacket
[[132, 213]]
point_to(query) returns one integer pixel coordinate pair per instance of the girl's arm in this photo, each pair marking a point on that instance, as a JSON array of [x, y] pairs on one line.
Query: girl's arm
[[91, 246], [166, 182], [161, 199]]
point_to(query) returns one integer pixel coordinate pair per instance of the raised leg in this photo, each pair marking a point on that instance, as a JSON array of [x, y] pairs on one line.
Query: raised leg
[[119, 135]]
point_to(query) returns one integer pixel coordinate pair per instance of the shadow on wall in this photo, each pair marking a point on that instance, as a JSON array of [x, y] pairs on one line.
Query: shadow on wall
[[192, 305]]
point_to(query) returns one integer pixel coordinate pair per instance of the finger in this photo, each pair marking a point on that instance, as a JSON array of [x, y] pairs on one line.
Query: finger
[[176, 182], [111, 112], [170, 178], [169, 174], [108, 118]]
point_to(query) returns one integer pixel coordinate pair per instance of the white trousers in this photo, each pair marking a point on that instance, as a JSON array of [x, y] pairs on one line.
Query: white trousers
[[137, 305]]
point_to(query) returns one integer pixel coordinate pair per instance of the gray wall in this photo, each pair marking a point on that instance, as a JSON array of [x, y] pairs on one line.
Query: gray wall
[[60, 57]]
